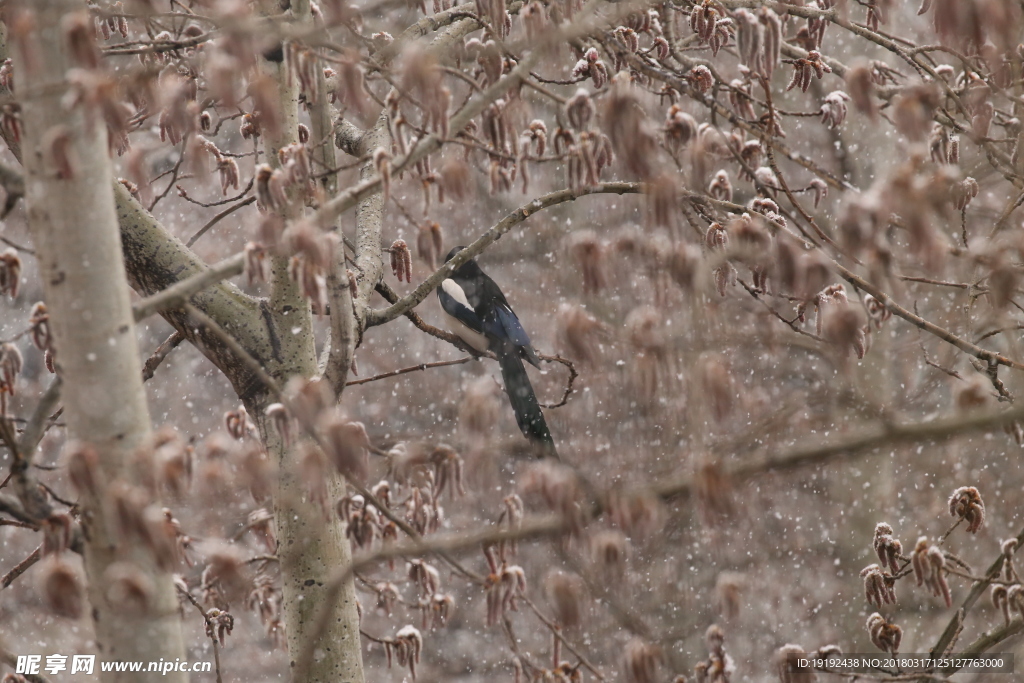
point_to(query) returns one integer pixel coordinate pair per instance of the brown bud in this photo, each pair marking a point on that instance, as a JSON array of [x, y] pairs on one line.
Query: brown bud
[[346, 444], [129, 589], [610, 549], [860, 86], [61, 588], [879, 589], [401, 260], [588, 253], [278, 416], [565, 593], [59, 153], [10, 272], [720, 187], [80, 39], [728, 588], [788, 665], [884, 635], [83, 468], [966, 504], [887, 548], [641, 661]]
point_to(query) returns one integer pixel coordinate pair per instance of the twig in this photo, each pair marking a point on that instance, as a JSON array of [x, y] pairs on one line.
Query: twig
[[573, 374], [951, 529], [929, 361], [413, 368], [941, 283], [771, 309], [161, 352], [21, 567], [447, 544], [243, 356], [17, 247], [16, 523], [557, 632], [174, 175], [927, 326], [216, 219], [384, 289], [489, 237], [180, 291], [211, 628], [155, 47], [972, 597], [11, 660], [769, 134], [987, 641], [220, 202]]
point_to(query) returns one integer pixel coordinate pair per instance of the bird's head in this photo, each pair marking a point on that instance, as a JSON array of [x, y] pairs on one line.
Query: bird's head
[[452, 253], [469, 269]]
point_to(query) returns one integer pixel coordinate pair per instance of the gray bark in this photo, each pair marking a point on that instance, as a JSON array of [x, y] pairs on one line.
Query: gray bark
[[80, 262], [311, 542]]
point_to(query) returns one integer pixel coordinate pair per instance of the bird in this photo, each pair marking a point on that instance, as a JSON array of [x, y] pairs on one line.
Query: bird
[[477, 312]]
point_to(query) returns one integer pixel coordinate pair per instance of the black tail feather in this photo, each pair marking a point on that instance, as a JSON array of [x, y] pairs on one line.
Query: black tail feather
[[524, 404]]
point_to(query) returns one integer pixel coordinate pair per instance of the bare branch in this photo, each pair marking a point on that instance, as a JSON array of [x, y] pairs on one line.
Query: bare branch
[[178, 293], [573, 374], [162, 351], [22, 567], [391, 297], [414, 368], [13, 183], [371, 185], [987, 641], [348, 137], [217, 219], [977, 590], [421, 292], [11, 660], [37, 424], [417, 547]]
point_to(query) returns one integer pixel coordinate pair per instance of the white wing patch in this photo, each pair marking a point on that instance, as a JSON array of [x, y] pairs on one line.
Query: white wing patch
[[475, 339], [452, 289]]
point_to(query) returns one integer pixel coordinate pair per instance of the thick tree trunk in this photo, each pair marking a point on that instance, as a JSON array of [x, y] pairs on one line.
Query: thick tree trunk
[[311, 549], [311, 546], [75, 229]]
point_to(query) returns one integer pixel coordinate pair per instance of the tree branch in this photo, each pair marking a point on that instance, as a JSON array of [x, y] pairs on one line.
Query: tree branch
[[348, 137], [11, 660], [953, 627], [988, 641], [154, 361], [180, 291], [441, 544], [391, 297], [219, 217], [13, 183], [405, 371], [34, 505], [20, 568], [428, 145], [421, 292]]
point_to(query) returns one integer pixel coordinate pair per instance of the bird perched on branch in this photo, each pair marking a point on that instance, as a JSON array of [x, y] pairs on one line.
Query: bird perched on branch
[[477, 311]]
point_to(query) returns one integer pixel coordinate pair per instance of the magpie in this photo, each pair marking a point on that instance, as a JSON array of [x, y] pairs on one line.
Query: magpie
[[479, 314]]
